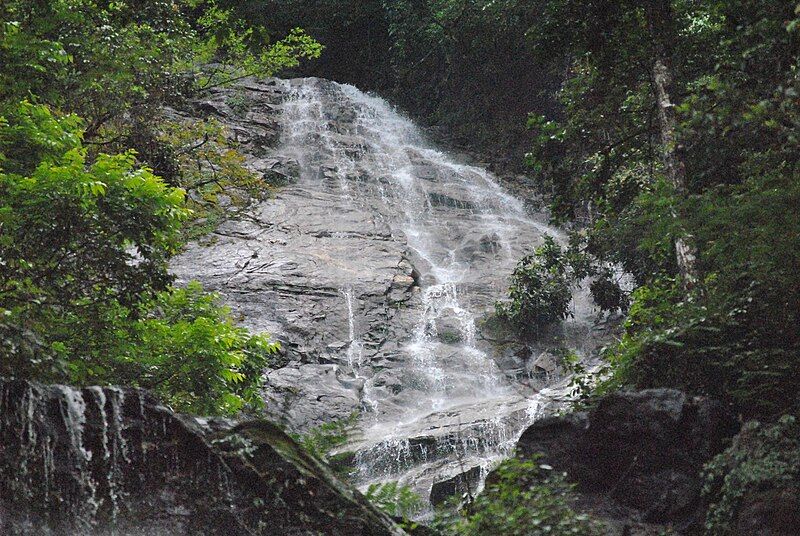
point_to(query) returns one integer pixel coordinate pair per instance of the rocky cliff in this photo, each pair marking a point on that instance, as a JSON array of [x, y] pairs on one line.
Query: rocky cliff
[[113, 461], [375, 265]]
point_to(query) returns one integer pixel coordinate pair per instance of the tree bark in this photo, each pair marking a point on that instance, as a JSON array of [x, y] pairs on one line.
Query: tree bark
[[660, 22]]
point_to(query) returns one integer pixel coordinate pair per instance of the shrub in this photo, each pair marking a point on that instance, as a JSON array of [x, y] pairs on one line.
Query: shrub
[[187, 349], [321, 440], [396, 500], [521, 497], [77, 239], [539, 293], [84, 285], [763, 457]]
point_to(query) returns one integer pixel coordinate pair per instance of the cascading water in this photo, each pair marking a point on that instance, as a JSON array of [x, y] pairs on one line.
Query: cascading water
[[453, 409]]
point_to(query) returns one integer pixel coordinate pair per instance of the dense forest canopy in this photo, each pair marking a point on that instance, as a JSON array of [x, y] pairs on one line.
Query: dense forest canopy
[[466, 66], [704, 151], [663, 134]]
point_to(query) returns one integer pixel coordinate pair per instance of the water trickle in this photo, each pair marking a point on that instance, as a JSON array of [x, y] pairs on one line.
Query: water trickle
[[355, 350]]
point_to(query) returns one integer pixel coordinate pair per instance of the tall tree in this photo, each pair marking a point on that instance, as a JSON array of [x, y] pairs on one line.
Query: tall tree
[[661, 25], [621, 109]]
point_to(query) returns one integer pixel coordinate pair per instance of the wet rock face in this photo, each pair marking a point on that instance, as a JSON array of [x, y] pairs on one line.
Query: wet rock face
[[373, 265], [465, 483], [642, 450], [113, 461], [324, 275]]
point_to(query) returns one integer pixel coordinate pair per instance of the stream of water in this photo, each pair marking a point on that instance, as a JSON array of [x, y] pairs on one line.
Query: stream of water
[[456, 411]]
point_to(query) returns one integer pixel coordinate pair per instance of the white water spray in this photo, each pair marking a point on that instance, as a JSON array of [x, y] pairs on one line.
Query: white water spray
[[454, 406]]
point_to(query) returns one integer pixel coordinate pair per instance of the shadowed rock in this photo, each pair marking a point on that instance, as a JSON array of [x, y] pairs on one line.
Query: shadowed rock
[[107, 460], [465, 482], [640, 450]]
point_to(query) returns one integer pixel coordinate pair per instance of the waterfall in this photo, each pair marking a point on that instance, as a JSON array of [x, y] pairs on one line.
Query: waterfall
[[453, 409], [78, 429]]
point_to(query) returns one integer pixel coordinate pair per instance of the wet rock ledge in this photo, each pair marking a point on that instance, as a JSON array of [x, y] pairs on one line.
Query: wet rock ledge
[[637, 457], [99, 461]]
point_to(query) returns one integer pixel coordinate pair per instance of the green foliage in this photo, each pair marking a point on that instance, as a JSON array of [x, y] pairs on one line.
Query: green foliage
[[31, 135], [521, 498], [607, 294], [182, 345], [582, 381], [111, 57], [86, 230], [112, 61], [187, 349], [736, 336], [116, 63], [601, 159], [73, 231], [208, 165], [539, 292], [27, 60], [84, 286], [763, 458], [321, 440], [396, 500], [228, 41]]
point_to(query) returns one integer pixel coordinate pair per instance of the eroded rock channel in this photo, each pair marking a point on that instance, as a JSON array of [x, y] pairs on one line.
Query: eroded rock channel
[[374, 266]]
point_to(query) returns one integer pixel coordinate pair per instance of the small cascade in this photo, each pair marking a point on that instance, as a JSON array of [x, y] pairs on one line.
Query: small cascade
[[80, 456], [355, 350], [69, 428], [450, 407]]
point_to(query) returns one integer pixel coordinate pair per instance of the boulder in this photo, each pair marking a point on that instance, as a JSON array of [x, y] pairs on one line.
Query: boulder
[[464, 482], [642, 450], [449, 327], [513, 359], [490, 243], [110, 460], [545, 363]]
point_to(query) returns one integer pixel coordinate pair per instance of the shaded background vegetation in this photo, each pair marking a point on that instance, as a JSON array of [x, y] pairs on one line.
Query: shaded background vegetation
[[465, 65]]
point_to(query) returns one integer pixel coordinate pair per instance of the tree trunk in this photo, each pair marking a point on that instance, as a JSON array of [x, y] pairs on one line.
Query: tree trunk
[[659, 20]]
